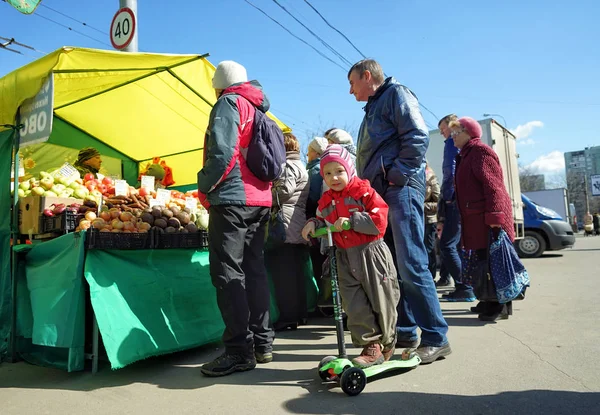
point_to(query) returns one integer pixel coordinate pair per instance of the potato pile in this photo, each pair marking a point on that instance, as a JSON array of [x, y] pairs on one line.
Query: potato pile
[[170, 220]]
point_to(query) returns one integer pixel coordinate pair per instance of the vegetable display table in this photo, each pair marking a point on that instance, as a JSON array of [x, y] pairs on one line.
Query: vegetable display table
[[146, 302]]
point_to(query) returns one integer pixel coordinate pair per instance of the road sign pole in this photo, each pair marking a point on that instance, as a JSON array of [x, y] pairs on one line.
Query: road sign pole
[[131, 4]]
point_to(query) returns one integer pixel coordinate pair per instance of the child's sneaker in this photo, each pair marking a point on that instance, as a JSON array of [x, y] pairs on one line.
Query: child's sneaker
[[371, 355]]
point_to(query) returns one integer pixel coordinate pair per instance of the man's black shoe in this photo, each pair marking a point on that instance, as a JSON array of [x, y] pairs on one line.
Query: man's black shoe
[[226, 364], [430, 354], [444, 285]]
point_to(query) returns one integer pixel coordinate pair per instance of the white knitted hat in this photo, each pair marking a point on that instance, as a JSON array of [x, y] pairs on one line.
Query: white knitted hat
[[229, 73], [339, 136], [319, 144]]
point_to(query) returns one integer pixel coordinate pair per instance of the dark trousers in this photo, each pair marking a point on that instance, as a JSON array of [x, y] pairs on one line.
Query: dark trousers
[[449, 240], [236, 240], [430, 237], [286, 265]]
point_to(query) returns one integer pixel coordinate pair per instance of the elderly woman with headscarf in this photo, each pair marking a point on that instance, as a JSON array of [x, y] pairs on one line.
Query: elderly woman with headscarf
[[88, 161], [343, 138], [483, 201]]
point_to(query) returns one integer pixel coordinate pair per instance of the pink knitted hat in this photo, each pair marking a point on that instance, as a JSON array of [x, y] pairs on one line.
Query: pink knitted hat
[[337, 153], [471, 127]]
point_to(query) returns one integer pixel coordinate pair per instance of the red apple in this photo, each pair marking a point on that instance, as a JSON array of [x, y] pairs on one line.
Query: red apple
[[107, 181], [88, 177], [143, 192], [102, 187], [90, 186]]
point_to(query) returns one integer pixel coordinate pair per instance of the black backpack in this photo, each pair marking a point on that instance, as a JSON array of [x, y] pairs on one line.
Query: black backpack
[[265, 155]]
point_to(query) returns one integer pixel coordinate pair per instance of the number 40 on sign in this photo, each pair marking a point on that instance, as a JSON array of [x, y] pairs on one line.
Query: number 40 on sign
[[122, 28]]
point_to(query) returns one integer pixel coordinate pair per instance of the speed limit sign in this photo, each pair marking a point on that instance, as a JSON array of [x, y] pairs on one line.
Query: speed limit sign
[[122, 28]]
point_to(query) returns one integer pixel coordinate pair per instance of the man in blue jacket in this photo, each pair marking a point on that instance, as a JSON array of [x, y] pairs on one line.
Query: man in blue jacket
[[449, 222], [392, 143]]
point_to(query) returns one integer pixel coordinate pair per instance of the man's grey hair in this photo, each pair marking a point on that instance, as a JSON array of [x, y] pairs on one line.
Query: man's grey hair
[[370, 65], [448, 119]]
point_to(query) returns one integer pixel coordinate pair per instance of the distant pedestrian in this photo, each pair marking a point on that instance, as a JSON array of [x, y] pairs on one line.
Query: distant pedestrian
[[287, 263], [432, 197]]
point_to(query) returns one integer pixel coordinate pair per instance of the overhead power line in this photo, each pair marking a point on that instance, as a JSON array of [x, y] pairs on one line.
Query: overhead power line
[[71, 29], [327, 45], [330, 25], [297, 37], [4, 42], [72, 18]]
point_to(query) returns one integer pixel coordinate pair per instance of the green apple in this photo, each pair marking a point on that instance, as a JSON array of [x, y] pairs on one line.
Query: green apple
[[80, 193], [75, 186], [44, 174], [58, 188], [97, 194], [27, 193], [25, 185], [63, 180], [69, 192], [47, 182], [38, 191], [21, 192], [50, 193]]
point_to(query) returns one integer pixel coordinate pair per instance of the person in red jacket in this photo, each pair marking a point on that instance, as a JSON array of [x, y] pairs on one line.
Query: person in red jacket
[[482, 199], [367, 275]]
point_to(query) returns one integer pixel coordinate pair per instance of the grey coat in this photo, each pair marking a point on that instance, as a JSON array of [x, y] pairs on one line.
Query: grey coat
[[292, 189]]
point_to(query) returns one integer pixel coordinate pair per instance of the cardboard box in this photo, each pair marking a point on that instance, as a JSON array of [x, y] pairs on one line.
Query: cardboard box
[[31, 209]]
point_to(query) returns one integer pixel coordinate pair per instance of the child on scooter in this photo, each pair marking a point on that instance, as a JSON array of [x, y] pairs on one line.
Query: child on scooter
[[367, 277]]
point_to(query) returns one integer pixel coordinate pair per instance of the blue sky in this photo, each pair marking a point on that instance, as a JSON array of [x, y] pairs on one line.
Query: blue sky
[[536, 62]]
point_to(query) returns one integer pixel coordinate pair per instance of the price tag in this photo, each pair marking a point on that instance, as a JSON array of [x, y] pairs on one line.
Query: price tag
[[148, 182], [68, 173], [121, 188], [164, 196], [154, 202], [192, 204]]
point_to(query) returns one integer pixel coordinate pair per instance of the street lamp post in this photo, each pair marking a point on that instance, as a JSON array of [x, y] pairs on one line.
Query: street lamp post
[[496, 115]]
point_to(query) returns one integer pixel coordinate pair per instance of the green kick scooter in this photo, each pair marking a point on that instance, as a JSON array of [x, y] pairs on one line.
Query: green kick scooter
[[340, 369]]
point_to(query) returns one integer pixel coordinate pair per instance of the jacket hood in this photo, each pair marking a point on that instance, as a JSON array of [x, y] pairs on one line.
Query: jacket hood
[[253, 92]]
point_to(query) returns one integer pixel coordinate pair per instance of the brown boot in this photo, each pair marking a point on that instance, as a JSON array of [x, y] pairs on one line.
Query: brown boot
[[387, 354], [371, 355]]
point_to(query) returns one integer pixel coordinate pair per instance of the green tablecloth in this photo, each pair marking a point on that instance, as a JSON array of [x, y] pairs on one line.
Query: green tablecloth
[[51, 303], [146, 302], [152, 302]]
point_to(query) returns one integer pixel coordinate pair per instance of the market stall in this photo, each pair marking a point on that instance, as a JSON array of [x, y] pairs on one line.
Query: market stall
[[132, 107]]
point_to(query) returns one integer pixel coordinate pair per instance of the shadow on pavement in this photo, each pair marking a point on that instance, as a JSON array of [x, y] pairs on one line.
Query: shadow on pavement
[[527, 402]]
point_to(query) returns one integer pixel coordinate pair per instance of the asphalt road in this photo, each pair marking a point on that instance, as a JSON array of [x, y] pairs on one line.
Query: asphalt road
[[543, 360]]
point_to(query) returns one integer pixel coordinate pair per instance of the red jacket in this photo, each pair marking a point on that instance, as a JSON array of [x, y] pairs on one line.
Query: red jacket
[[481, 195], [364, 207]]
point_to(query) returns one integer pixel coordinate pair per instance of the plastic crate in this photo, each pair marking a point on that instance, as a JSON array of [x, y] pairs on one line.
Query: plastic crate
[[64, 223], [108, 240], [181, 240]]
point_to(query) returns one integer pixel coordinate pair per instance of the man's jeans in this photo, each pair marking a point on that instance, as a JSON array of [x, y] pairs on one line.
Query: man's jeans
[[419, 304], [449, 241]]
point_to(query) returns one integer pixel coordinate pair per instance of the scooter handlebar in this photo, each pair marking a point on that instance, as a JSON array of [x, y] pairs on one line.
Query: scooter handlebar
[[323, 231]]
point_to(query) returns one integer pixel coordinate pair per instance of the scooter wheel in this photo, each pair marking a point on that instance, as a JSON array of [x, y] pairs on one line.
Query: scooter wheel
[[353, 381], [324, 375]]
